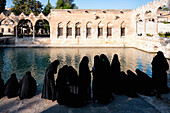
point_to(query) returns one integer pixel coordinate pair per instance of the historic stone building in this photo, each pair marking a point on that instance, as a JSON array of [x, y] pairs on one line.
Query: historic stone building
[[91, 27]]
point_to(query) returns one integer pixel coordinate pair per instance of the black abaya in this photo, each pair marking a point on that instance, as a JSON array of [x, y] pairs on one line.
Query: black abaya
[[12, 86], [1, 87], [49, 90], [159, 74], [85, 80], [28, 86]]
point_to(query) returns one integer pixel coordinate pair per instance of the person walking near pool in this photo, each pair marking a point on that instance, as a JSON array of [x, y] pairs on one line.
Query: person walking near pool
[[12, 86], [159, 74], [1, 87], [28, 86], [85, 80], [49, 90]]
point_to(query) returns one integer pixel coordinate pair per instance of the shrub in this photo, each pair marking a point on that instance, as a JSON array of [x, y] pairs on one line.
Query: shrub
[[149, 35]]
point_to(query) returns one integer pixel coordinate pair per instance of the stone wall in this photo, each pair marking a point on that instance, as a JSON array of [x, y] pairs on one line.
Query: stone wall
[[116, 18], [150, 27]]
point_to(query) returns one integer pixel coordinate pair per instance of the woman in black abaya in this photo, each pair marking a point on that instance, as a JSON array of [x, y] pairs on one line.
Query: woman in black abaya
[[1, 87], [12, 86], [85, 80], [49, 90], [159, 74], [105, 92], [28, 86], [96, 72], [115, 75]]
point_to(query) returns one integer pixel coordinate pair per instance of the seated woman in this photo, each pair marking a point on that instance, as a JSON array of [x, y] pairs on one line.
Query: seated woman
[[12, 86], [145, 83], [28, 86], [1, 87]]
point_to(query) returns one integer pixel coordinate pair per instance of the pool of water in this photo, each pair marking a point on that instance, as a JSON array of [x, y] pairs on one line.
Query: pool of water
[[36, 60]]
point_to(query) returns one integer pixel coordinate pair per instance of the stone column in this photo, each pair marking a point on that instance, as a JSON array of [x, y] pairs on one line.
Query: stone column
[[104, 32], [65, 31], [16, 31], [136, 27], [144, 28], [73, 31], [33, 38], [57, 32], [156, 27]]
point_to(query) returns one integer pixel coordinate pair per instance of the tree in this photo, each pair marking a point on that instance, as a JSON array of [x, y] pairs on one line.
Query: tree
[[2, 5], [26, 6], [66, 4], [47, 8]]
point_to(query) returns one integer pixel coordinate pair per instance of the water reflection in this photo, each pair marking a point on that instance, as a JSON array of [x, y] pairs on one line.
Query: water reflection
[[20, 60]]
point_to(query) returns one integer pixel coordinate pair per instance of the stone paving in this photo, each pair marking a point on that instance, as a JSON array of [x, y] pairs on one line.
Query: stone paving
[[120, 104]]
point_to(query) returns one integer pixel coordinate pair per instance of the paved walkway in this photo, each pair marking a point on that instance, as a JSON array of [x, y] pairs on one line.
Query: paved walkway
[[121, 104]]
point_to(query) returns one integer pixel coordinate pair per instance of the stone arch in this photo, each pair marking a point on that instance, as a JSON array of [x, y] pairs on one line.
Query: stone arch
[[109, 29], [42, 28], [160, 10], [78, 29], [7, 26], [25, 28], [2, 16], [69, 28], [88, 29], [100, 29], [60, 29], [148, 13], [123, 29]]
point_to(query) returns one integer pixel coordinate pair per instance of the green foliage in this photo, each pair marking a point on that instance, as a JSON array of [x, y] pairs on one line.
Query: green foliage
[[149, 35], [2, 5], [47, 8], [165, 9], [166, 22], [167, 34], [26, 6], [60, 4], [65, 4]]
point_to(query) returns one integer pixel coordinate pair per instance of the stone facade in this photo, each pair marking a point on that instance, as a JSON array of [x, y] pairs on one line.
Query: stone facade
[[98, 27]]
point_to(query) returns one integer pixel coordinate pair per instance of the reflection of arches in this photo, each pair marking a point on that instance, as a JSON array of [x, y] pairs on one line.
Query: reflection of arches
[[100, 29], [25, 27], [88, 29], [69, 29], [60, 29], [78, 29], [109, 29], [42, 28]]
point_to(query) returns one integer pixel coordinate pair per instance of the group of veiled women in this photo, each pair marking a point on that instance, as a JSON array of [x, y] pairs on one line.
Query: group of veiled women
[[25, 89], [75, 90]]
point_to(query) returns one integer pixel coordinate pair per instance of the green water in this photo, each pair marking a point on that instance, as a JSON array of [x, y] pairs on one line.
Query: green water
[[20, 60]]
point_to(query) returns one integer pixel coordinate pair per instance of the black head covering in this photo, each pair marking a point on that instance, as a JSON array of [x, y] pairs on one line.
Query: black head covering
[[28, 86], [11, 86], [53, 66]]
